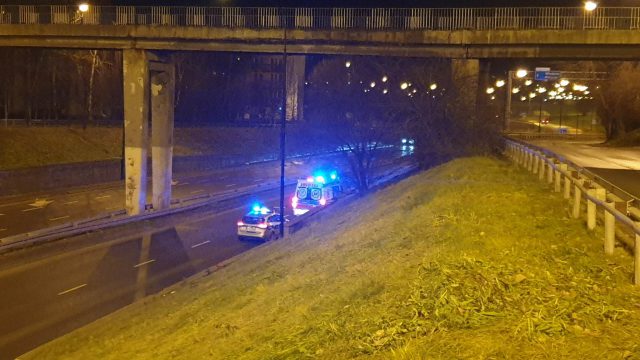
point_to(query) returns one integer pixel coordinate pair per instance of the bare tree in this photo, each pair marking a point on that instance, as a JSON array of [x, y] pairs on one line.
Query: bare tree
[[353, 107], [619, 99]]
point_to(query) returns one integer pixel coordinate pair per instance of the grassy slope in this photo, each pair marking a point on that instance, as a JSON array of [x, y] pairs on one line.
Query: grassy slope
[[474, 259], [28, 147]]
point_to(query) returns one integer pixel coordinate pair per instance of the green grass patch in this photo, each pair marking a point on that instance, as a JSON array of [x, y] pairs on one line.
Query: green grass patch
[[473, 259]]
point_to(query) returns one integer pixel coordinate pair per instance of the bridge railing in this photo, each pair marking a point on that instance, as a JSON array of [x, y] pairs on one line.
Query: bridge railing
[[538, 18]]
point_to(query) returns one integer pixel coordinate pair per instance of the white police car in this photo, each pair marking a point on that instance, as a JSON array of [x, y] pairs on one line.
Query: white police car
[[260, 223]]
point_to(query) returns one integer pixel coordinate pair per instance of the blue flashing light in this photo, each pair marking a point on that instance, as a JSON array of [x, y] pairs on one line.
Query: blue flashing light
[[264, 210], [320, 179], [256, 208], [333, 175], [404, 141]]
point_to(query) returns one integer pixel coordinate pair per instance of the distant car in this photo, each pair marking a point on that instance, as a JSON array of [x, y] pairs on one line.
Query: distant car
[[260, 223], [545, 120]]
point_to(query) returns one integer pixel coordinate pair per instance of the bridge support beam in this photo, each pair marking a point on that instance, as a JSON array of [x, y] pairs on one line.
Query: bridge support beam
[[465, 74], [135, 68], [295, 87], [162, 105], [147, 83]]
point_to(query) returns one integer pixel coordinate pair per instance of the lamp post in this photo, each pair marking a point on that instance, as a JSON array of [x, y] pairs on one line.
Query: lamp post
[[520, 73], [283, 124]]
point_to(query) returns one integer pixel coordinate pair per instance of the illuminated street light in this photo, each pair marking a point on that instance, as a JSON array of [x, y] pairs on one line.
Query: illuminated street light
[[433, 86], [515, 90], [385, 78], [523, 98], [542, 90], [385, 91], [521, 73], [500, 83], [404, 85], [561, 89], [84, 7], [528, 82], [491, 90], [373, 84], [564, 82], [532, 95], [590, 5], [493, 97], [347, 64], [552, 93]]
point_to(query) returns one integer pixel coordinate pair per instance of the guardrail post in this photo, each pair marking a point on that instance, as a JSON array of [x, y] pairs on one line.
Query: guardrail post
[[530, 160], [550, 172], [636, 258], [536, 165], [577, 199], [609, 229], [541, 172], [556, 187], [567, 184], [591, 210]]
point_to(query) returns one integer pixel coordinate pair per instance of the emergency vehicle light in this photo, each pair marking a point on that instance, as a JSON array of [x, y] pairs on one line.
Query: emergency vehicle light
[[333, 175], [323, 201], [320, 179], [310, 179]]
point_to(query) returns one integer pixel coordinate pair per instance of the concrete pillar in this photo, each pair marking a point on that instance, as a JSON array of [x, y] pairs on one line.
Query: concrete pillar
[[465, 74], [136, 116], [609, 230], [162, 105], [295, 87]]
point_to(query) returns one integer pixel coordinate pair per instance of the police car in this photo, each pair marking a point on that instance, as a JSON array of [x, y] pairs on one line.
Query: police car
[[315, 191], [259, 223]]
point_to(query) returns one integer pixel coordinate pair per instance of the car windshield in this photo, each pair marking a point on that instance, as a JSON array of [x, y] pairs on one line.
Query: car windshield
[[252, 220]]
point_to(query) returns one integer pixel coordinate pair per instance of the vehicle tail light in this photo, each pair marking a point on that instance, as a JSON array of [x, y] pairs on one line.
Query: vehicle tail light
[[323, 201], [262, 225], [240, 223]]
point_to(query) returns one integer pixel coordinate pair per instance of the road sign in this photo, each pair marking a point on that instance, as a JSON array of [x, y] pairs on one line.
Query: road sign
[[545, 74], [541, 73]]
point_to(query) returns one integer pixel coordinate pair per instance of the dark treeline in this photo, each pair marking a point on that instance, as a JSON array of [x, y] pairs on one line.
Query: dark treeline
[[85, 87]]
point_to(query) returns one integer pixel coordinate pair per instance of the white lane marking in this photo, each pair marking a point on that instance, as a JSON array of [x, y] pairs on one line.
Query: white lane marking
[[230, 185], [72, 202], [202, 243], [72, 289], [182, 184], [102, 197], [197, 191], [35, 208], [144, 263], [58, 218]]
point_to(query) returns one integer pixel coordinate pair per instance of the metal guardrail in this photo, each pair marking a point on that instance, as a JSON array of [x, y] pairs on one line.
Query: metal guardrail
[[618, 214], [554, 136], [508, 18]]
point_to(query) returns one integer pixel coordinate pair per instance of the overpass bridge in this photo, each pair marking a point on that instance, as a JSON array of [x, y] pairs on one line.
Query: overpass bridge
[[464, 35]]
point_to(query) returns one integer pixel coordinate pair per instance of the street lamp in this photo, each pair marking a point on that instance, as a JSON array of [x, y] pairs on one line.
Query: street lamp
[[590, 5], [500, 83], [385, 78], [528, 83], [564, 82], [521, 73], [490, 90], [84, 7], [433, 86], [347, 64], [404, 85]]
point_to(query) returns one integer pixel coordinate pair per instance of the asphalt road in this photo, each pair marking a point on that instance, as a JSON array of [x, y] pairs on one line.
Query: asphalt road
[[50, 289], [619, 166], [21, 214]]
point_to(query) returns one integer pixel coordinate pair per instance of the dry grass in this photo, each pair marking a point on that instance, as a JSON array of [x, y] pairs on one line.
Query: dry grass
[[473, 259]]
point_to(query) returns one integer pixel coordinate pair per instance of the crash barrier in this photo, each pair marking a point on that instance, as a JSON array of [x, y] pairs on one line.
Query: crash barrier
[[554, 136], [621, 214], [313, 215], [119, 217]]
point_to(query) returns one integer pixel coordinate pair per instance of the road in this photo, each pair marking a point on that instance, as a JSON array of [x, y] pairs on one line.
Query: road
[[21, 214], [619, 166], [50, 289]]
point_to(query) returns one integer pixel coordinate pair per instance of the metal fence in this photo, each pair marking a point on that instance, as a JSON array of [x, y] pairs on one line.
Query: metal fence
[[538, 18], [620, 216]]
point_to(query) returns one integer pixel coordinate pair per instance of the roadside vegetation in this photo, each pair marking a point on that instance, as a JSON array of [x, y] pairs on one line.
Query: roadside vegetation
[[472, 259]]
